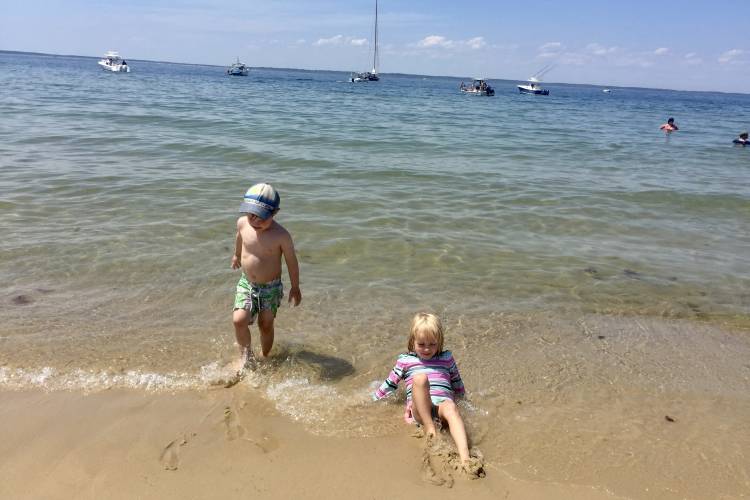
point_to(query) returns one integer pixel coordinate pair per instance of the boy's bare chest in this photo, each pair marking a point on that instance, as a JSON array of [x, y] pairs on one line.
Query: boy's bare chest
[[260, 244]]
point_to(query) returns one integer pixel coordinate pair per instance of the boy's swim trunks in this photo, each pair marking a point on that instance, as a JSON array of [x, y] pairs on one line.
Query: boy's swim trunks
[[256, 297]]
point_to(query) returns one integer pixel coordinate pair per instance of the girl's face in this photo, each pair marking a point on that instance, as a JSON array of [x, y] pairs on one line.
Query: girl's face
[[426, 346]]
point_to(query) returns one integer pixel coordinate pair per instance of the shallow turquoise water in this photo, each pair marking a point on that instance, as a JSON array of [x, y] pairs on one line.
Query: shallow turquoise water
[[118, 197]]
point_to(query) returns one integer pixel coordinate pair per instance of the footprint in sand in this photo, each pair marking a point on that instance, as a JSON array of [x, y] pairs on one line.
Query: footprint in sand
[[232, 425], [435, 464], [170, 455], [266, 443]]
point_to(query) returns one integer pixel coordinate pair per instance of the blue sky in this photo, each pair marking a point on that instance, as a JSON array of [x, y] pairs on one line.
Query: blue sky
[[682, 45]]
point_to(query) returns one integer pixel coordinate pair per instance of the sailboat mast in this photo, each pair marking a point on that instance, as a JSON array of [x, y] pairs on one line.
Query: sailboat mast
[[375, 52]]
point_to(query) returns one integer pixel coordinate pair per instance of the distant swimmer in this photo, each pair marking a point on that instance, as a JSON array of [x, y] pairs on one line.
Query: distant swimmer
[[742, 139], [669, 126]]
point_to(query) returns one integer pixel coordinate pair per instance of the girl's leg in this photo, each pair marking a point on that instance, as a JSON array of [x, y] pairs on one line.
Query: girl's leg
[[448, 411], [422, 403], [265, 325]]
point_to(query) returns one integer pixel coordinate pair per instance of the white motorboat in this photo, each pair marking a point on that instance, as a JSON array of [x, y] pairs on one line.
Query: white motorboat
[[532, 85], [370, 76], [238, 69], [113, 62], [478, 86]]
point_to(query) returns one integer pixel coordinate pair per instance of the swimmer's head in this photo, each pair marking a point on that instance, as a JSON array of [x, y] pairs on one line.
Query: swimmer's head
[[671, 120], [743, 135]]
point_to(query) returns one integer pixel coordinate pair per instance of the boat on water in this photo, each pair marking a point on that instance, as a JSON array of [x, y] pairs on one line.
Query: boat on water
[[370, 76], [532, 85], [113, 62], [478, 86], [238, 69], [606, 91]]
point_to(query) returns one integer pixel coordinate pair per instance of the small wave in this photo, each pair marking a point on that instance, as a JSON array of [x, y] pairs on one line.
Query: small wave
[[51, 379], [304, 401]]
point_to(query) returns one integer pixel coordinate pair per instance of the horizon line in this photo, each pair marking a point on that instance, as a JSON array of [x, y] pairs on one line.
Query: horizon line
[[395, 73]]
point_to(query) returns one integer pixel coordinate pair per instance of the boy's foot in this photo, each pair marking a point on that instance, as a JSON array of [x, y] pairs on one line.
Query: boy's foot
[[239, 369], [251, 364]]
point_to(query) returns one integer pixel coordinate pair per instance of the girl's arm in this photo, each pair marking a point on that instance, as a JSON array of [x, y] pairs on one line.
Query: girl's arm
[[390, 384], [456, 382]]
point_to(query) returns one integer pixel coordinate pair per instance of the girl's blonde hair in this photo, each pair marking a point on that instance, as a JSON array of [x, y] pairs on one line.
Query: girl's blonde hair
[[426, 324]]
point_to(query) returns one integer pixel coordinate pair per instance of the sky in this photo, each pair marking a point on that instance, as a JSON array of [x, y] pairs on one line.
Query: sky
[[685, 45]]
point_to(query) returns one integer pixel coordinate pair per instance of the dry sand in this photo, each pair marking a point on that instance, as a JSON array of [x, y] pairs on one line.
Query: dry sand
[[222, 443]]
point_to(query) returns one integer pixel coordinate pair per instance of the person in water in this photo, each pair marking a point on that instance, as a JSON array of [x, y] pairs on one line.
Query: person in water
[[432, 385], [259, 245], [742, 139], [669, 126]]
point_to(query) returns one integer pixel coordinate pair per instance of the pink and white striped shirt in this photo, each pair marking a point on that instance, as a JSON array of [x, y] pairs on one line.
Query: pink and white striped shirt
[[441, 371]]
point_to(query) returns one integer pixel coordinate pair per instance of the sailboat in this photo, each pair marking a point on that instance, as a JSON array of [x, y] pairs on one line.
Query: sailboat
[[370, 76]]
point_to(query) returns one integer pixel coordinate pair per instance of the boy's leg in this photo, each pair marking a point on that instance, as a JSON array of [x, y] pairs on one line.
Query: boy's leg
[[265, 325], [241, 320], [422, 403], [448, 411]]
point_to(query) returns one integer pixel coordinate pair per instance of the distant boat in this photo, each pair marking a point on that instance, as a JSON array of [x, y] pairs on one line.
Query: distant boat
[[606, 91], [370, 76], [238, 69], [113, 62], [532, 87], [479, 86]]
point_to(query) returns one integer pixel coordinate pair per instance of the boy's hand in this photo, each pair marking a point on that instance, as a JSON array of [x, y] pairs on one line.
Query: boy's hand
[[235, 262], [295, 294]]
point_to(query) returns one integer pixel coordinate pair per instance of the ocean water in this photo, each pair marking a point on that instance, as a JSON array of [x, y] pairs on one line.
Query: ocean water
[[582, 260]]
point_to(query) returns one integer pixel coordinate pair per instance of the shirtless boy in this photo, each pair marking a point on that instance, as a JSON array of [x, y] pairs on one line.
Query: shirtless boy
[[259, 245]]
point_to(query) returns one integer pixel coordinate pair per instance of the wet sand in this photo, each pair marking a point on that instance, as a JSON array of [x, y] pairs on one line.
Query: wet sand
[[216, 444], [561, 407]]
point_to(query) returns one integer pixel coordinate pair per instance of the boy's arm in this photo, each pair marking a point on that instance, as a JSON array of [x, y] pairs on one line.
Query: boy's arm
[[292, 267], [237, 255]]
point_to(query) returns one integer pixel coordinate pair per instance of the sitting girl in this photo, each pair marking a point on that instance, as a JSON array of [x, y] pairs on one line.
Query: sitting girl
[[432, 384]]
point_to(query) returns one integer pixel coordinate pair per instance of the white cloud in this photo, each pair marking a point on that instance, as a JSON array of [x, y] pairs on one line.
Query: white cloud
[[341, 40], [438, 41], [476, 43], [434, 41], [334, 40], [600, 50], [730, 55], [550, 46], [661, 51], [550, 49]]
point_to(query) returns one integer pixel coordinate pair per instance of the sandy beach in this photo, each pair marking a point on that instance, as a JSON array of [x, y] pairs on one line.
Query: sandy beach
[[600, 408], [219, 444]]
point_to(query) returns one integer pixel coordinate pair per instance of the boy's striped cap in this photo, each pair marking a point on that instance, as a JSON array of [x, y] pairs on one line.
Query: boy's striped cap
[[261, 200]]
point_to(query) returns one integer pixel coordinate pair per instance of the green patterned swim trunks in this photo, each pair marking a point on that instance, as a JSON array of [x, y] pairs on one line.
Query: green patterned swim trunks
[[256, 297]]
